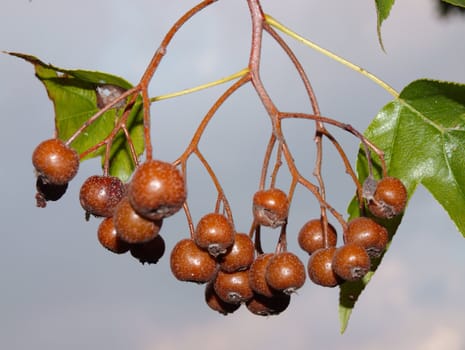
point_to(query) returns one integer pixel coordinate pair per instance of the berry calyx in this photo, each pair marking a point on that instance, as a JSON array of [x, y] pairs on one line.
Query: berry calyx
[[214, 233], [190, 263], [99, 195], [56, 162], [132, 227], [389, 198], [311, 236], [240, 256], [351, 262], [270, 207], [320, 267], [368, 234], [285, 272], [233, 287], [157, 190], [109, 238]]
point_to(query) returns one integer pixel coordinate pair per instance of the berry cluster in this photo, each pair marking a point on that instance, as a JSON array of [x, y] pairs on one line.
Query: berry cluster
[[233, 266]]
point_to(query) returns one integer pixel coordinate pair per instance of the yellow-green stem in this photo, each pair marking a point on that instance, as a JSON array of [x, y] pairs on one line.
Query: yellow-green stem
[[236, 75], [273, 22]]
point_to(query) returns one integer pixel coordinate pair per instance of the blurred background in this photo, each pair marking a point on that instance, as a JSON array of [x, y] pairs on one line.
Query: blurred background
[[61, 290]]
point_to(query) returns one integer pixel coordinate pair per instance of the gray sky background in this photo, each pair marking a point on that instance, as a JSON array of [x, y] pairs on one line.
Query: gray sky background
[[61, 290]]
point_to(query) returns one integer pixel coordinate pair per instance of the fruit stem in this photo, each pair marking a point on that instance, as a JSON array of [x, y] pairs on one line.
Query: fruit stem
[[273, 22], [233, 76]]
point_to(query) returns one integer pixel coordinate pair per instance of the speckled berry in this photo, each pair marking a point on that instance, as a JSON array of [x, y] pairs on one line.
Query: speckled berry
[[351, 262], [367, 233], [240, 256], [285, 272], [132, 227], [56, 162], [270, 207], [320, 268], [190, 263], [233, 287], [215, 233], [157, 190], [311, 236], [99, 195], [109, 239]]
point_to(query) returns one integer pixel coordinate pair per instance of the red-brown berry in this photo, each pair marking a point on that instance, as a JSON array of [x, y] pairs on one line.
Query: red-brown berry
[[233, 287], [157, 190], [190, 263], [389, 198], [240, 256], [368, 234], [268, 306], [56, 162], [216, 303], [320, 267], [215, 233], [99, 195], [132, 227], [257, 272], [270, 207], [285, 272], [351, 262], [109, 239], [311, 236]]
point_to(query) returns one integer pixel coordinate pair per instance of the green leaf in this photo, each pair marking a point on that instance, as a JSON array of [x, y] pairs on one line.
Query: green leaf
[[460, 3], [422, 133], [383, 8], [75, 96]]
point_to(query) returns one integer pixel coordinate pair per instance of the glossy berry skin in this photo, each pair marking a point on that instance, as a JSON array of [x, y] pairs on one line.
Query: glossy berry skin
[[149, 252], [311, 236], [233, 287], [55, 161], [190, 263], [270, 207], [214, 233], [351, 262], [285, 272], [367, 233], [240, 256], [320, 268], [389, 198], [157, 190], [132, 227], [268, 306], [109, 239], [99, 195], [257, 272], [216, 303]]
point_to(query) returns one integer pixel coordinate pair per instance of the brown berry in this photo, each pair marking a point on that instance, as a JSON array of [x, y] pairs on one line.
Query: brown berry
[[285, 272], [190, 263], [320, 269], [368, 234], [56, 162], [216, 303], [311, 236], [270, 207], [132, 227], [268, 306], [240, 256], [233, 287], [389, 198], [351, 262], [99, 195], [257, 272], [109, 239], [157, 190], [214, 233]]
